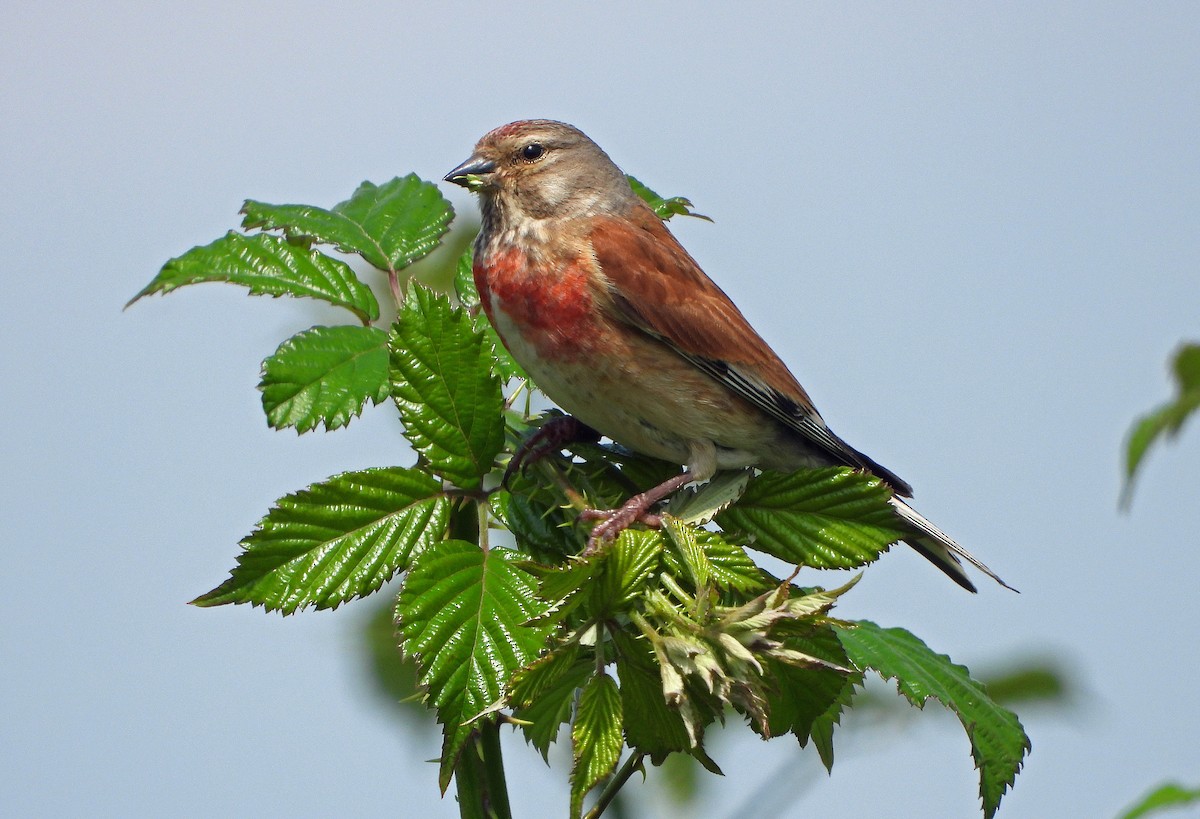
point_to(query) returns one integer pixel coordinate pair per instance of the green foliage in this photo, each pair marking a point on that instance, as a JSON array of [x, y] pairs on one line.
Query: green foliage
[[596, 737], [665, 207], [826, 518], [390, 225], [998, 742], [1169, 418], [335, 540], [1163, 798], [325, 375], [640, 645], [268, 266], [462, 616], [442, 380]]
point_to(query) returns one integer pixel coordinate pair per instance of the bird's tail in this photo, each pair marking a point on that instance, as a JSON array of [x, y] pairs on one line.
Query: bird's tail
[[940, 549]]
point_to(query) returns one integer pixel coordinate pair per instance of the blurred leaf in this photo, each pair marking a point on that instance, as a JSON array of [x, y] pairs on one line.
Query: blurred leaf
[[335, 540], [1162, 798], [1168, 419], [665, 208], [443, 384], [998, 742], [1187, 367], [325, 375], [268, 266], [825, 518], [462, 615], [596, 737], [1028, 682], [389, 225], [393, 676]]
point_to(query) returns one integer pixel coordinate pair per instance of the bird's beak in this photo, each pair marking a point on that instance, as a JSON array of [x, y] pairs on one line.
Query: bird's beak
[[470, 173]]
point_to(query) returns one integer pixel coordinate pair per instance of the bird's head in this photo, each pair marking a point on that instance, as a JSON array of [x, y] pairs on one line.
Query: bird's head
[[543, 169]]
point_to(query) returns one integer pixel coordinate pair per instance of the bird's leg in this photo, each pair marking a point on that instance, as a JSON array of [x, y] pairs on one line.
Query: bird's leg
[[552, 436], [615, 521]]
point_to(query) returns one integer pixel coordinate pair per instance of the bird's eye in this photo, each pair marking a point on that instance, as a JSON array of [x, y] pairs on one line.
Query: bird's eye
[[533, 152]]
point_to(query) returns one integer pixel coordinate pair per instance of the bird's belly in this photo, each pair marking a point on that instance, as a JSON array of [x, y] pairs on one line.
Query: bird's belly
[[638, 392]]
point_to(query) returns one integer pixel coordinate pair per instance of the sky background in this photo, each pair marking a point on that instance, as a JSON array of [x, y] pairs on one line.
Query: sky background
[[972, 230]]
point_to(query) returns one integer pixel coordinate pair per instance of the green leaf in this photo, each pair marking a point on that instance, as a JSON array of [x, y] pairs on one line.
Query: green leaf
[[1169, 418], [268, 266], [544, 693], [628, 565], [325, 375], [538, 525], [825, 518], [1167, 796], [610, 581], [1186, 367], [665, 208], [464, 286], [687, 555], [799, 696], [596, 736], [706, 556], [442, 381], [390, 225], [651, 726], [462, 615], [998, 742], [335, 540], [565, 582], [699, 506], [821, 730], [1029, 681]]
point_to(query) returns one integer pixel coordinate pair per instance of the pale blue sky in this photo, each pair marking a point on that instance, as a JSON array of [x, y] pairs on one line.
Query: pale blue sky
[[973, 231]]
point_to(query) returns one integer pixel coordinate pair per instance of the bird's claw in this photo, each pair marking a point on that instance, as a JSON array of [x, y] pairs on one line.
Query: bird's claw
[[615, 521], [554, 434]]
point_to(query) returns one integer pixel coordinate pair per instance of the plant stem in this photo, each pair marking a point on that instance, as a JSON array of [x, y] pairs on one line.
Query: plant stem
[[493, 769], [469, 783], [614, 785], [394, 286], [479, 776]]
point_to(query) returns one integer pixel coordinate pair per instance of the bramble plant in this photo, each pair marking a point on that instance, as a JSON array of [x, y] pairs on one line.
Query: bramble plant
[[639, 647], [1168, 419]]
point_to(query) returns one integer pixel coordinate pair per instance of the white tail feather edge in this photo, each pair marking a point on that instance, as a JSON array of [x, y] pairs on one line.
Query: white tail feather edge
[[944, 551]]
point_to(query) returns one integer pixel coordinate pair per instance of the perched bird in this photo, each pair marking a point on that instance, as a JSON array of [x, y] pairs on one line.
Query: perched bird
[[619, 326]]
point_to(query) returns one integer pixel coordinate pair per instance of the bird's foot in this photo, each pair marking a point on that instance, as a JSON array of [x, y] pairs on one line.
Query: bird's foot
[[552, 436], [615, 521]]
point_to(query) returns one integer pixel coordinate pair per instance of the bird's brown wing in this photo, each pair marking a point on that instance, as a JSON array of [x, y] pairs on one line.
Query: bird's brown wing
[[658, 288]]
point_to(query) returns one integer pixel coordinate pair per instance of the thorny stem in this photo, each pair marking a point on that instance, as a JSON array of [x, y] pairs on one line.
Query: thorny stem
[[644, 625], [479, 776], [560, 481], [677, 591]]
